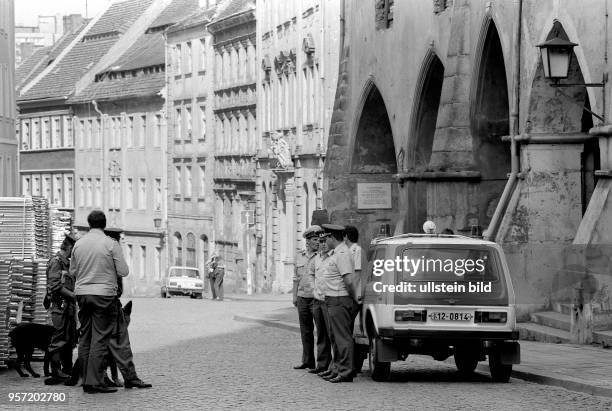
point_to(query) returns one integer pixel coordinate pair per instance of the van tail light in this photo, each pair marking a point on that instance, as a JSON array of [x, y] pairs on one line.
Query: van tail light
[[411, 315], [490, 317]]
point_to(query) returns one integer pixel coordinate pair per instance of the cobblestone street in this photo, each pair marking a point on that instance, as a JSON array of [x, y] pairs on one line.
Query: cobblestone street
[[196, 356]]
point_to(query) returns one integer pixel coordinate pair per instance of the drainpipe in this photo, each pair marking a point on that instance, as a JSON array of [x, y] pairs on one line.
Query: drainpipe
[[500, 210]]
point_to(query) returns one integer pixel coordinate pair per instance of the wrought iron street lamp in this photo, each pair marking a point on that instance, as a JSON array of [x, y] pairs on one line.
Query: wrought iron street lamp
[[556, 56]]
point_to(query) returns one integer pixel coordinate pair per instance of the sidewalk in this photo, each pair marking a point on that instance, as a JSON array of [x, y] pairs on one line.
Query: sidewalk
[[579, 368]]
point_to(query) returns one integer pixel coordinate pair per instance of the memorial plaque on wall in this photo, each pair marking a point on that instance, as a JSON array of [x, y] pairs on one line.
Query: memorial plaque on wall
[[373, 195]]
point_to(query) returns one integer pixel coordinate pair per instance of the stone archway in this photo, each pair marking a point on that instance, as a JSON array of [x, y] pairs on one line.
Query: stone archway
[[489, 121], [421, 137], [374, 149]]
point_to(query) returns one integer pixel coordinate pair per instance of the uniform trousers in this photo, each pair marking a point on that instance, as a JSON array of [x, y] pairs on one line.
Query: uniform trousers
[[304, 307], [98, 317], [340, 312], [319, 313], [64, 336]]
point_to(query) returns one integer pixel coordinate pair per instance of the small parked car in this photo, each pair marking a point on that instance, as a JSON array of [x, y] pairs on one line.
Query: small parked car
[[450, 295], [183, 281]]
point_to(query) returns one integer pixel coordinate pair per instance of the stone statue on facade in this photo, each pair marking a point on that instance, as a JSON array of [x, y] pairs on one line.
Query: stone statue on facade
[[279, 148]]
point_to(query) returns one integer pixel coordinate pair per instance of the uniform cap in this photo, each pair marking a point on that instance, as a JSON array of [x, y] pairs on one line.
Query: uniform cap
[[71, 238], [331, 228], [312, 231]]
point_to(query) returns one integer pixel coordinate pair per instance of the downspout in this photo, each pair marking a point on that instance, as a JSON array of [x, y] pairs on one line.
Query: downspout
[[500, 210]]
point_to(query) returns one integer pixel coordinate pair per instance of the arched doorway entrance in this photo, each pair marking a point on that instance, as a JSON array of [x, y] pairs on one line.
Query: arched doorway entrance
[[489, 121], [421, 138], [374, 149]]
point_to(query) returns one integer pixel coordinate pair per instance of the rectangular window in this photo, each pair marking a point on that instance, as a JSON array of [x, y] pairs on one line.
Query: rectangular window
[[36, 134], [189, 123], [202, 181], [26, 185], [202, 123], [26, 142], [46, 186], [129, 258], [130, 131], [177, 181], [88, 134], [157, 261], [89, 193], [188, 69], [68, 190], [158, 194], [157, 131], [179, 60], [98, 195], [58, 197], [130, 194], [143, 131], [97, 133], [202, 54], [188, 181], [68, 136], [81, 192], [178, 123], [46, 133], [143, 261], [36, 185], [57, 132], [142, 193]]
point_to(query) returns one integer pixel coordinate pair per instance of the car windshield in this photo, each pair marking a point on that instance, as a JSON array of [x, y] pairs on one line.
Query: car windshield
[[184, 272], [455, 274]]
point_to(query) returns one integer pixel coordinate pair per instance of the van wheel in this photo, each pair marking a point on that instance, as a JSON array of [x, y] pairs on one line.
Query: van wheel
[[499, 372], [466, 362], [163, 293], [380, 370]]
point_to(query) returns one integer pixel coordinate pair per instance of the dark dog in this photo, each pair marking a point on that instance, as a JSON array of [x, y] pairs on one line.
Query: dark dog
[[25, 337], [110, 360]]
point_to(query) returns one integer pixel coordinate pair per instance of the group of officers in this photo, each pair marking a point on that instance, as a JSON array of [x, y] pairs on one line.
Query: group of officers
[[327, 291]]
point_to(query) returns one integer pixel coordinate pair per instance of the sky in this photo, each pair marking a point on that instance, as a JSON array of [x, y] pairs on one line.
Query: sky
[[27, 11]]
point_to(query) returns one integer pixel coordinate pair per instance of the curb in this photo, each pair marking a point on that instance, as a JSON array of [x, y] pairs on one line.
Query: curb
[[521, 375]]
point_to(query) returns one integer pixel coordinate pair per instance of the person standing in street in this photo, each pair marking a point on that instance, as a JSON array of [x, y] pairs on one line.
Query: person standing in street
[[340, 294], [211, 264], [319, 310], [217, 276], [60, 292], [97, 260], [119, 344], [303, 285]]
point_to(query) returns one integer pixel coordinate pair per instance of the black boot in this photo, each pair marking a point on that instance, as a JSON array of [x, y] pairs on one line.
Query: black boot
[[56, 371]]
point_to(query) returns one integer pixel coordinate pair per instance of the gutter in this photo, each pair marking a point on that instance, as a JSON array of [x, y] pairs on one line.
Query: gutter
[[500, 210]]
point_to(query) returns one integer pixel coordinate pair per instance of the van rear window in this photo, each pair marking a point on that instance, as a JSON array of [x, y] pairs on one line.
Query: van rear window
[[450, 274]]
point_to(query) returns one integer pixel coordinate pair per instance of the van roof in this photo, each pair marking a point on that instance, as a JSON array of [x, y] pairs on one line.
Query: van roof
[[430, 239]]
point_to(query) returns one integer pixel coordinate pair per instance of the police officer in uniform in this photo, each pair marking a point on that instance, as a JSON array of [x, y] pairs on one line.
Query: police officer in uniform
[[319, 310], [60, 292], [340, 294], [303, 285]]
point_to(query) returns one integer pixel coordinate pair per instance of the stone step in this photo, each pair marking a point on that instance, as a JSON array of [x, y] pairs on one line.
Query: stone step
[[603, 337], [552, 319], [542, 333], [562, 308]]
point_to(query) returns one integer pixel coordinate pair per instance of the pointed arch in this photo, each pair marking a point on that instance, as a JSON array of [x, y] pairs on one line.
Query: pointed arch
[[373, 148], [425, 111], [490, 119]]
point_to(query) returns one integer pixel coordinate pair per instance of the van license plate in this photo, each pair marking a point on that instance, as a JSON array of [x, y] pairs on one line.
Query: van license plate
[[450, 316]]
